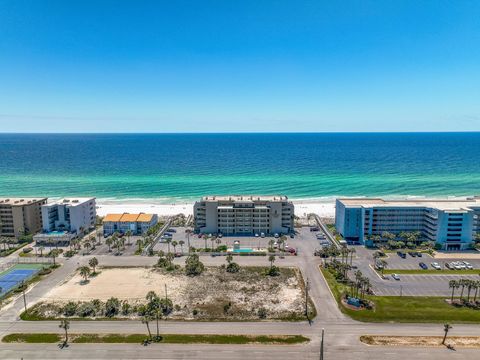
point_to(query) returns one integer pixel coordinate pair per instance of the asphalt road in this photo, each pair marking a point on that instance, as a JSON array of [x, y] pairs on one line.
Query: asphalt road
[[341, 341]]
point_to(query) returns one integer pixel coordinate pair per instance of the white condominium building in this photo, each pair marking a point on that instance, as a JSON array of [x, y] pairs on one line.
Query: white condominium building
[[75, 216], [244, 215], [450, 223]]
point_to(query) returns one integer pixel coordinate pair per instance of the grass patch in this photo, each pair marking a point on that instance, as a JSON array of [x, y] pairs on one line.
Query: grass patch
[[432, 271], [404, 308], [166, 338]]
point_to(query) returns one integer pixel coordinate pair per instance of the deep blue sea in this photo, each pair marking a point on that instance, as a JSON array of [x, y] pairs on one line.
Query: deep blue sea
[[170, 167]]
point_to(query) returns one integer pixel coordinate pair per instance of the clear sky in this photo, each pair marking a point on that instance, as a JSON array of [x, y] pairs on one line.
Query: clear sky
[[214, 66]]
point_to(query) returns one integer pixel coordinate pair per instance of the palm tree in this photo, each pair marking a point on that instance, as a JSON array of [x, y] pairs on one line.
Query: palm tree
[[205, 238], [188, 231], [99, 237], [85, 271], [65, 325], [446, 328], [170, 258], [146, 320], [229, 258], [109, 242], [384, 265], [168, 241], [462, 283], [352, 251], [154, 307], [453, 284], [139, 244], [92, 242], [93, 262], [128, 233], [174, 244], [181, 242], [87, 246], [41, 248], [477, 286], [271, 258], [212, 240], [54, 253], [470, 285]]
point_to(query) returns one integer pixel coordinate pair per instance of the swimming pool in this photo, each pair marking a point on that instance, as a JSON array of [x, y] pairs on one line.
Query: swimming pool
[[244, 250]]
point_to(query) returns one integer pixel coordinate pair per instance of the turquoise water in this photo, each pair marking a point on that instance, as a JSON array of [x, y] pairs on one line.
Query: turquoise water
[[243, 250], [177, 167]]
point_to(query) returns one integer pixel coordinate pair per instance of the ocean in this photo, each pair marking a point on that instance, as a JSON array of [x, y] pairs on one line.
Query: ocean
[[183, 167]]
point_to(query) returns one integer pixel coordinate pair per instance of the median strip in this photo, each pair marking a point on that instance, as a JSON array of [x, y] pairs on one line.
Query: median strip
[[42, 338], [425, 341]]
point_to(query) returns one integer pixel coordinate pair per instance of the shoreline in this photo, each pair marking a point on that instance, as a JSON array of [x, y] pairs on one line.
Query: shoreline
[[324, 208]]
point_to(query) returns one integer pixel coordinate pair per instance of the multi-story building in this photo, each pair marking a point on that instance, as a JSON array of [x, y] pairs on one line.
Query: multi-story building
[[244, 215], [450, 223], [20, 216], [75, 216], [138, 224]]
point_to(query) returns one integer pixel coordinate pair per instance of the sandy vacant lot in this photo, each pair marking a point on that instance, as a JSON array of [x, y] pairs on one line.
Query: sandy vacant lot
[[208, 294]]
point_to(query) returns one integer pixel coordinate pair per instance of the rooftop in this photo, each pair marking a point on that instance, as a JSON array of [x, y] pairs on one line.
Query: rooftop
[[20, 201], [441, 204], [126, 217], [245, 198], [72, 201]]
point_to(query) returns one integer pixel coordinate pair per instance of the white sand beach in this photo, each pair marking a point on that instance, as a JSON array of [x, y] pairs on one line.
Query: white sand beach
[[302, 207]]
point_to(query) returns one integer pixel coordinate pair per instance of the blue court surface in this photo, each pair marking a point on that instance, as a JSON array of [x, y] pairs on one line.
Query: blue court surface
[[13, 277]]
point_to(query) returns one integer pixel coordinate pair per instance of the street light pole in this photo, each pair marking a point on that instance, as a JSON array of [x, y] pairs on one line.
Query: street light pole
[[307, 285], [321, 345], [24, 299]]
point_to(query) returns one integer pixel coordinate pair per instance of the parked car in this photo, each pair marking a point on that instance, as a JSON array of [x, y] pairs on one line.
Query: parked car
[[256, 235], [178, 254], [467, 265], [423, 266], [276, 236], [396, 277], [412, 254], [262, 235], [449, 266], [172, 230], [436, 266], [292, 236], [314, 228], [291, 250], [401, 254], [419, 254]]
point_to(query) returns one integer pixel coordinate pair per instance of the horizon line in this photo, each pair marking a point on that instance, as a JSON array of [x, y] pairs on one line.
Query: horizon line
[[235, 132]]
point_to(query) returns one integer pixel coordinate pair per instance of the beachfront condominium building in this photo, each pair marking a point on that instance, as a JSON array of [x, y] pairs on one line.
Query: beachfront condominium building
[[138, 224], [20, 216], [452, 224], [75, 216], [244, 215]]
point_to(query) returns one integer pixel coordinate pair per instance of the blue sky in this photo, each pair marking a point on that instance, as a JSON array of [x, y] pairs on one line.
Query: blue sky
[[214, 66]]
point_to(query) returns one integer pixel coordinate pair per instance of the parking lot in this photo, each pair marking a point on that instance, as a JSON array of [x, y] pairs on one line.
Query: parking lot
[[409, 285]]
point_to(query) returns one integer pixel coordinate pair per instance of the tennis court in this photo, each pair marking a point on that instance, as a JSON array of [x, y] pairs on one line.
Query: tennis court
[[11, 278]]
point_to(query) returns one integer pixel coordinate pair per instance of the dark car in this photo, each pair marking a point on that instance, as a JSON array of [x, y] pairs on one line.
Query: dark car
[[314, 228], [423, 266], [419, 254], [401, 254], [412, 254], [292, 236]]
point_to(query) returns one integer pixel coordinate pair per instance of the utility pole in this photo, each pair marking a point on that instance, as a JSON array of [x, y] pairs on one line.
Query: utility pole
[[166, 296], [321, 345], [401, 290], [24, 299]]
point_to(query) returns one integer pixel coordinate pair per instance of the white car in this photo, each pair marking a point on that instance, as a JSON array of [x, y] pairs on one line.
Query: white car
[[396, 277], [467, 265], [262, 235], [276, 236], [256, 235], [436, 266]]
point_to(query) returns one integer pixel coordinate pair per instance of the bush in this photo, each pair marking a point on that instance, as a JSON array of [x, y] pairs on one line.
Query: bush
[[69, 253], [233, 267], [273, 271], [195, 312], [125, 308], [193, 265], [262, 313], [70, 308], [86, 309], [221, 248], [112, 307]]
